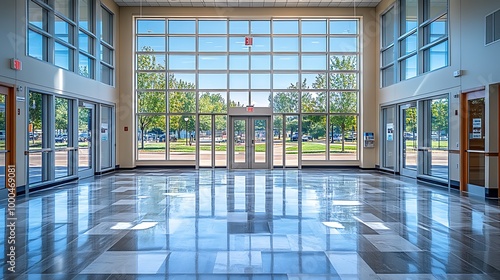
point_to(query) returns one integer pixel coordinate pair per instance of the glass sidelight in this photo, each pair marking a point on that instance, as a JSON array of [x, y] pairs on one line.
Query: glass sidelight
[[409, 140], [388, 140], [250, 142], [212, 140], [63, 149], [86, 117], [292, 143], [107, 137], [205, 139]]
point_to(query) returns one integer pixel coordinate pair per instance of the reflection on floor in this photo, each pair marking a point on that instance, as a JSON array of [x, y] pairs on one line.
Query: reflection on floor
[[265, 224]]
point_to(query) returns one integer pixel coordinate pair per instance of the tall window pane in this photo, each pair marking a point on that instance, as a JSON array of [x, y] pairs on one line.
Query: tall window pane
[[37, 45], [388, 28], [62, 55], [85, 16], [106, 26], [409, 19], [65, 7], [433, 8], [436, 57]]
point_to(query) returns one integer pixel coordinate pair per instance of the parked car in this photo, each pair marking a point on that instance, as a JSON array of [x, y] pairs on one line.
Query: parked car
[[336, 138], [305, 138], [34, 136], [83, 137], [162, 137], [350, 137], [61, 138]]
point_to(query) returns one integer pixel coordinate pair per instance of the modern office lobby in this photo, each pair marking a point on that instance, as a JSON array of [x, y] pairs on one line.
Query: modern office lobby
[[290, 139]]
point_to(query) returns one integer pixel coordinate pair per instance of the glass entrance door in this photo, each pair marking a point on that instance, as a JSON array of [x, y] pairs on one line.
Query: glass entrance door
[[86, 117], [409, 141], [250, 142]]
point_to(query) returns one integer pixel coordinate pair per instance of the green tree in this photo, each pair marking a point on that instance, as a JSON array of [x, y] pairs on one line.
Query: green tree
[[149, 101], [61, 115], [212, 103], [292, 125], [343, 103], [181, 102], [278, 124]]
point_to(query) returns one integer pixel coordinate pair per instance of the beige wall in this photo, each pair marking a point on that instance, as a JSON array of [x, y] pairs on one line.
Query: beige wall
[[126, 115]]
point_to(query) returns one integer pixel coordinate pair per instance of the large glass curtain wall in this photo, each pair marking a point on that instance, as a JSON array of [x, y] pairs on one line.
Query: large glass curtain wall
[[188, 70]]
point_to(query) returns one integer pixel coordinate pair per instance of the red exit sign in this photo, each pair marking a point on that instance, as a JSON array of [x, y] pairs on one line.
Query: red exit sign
[[16, 64], [248, 41]]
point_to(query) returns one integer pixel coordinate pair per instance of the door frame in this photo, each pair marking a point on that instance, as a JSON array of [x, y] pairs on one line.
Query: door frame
[[465, 96], [250, 143], [402, 170]]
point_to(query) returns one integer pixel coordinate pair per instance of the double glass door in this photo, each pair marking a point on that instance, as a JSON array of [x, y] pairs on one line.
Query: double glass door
[[250, 142], [422, 135]]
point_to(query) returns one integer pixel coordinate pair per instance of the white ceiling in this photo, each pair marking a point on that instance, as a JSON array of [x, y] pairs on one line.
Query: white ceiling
[[249, 3]]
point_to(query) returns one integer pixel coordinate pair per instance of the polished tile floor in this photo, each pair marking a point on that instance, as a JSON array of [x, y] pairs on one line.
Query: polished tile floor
[[262, 224]]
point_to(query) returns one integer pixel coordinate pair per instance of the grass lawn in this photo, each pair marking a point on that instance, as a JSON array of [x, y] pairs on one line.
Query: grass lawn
[[435, 144], [307, 147]]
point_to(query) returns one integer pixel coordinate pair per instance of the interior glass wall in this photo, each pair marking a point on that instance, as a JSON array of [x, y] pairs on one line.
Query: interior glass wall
[[190, 69]]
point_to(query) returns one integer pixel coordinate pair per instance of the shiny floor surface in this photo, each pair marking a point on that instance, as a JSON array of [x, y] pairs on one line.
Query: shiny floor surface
[[262, 224]]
